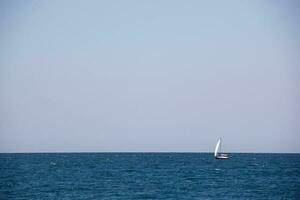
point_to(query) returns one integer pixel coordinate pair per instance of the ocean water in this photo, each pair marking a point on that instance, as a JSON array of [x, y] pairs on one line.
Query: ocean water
[[149, 176]]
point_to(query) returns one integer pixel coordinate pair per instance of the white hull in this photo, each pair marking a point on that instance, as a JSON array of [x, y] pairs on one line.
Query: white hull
[[221, 157]]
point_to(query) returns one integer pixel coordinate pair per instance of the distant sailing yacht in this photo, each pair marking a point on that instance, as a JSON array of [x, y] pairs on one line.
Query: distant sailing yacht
[[220, 155]]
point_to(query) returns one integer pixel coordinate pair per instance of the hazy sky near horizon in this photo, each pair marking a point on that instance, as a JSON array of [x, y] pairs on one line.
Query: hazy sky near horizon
[[149, 75]]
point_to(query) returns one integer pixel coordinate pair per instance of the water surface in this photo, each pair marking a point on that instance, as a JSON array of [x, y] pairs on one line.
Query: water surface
[[149, 176]]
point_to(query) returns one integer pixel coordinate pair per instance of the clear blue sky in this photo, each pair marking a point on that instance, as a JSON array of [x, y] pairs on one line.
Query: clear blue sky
[[149, 75]]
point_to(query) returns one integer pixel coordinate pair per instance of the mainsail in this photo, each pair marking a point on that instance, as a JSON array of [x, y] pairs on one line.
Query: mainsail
[[217, 147]]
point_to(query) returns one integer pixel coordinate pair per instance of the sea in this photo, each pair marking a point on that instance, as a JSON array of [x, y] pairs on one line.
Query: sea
[[133, 176]]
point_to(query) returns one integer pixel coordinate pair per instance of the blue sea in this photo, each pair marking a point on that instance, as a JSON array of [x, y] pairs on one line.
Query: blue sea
[[149, 176]]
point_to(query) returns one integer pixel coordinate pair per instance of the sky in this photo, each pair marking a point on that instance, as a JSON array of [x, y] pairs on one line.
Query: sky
[[149, 76]]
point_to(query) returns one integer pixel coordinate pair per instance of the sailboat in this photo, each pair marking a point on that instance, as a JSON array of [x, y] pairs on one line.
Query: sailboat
[[220, 155]]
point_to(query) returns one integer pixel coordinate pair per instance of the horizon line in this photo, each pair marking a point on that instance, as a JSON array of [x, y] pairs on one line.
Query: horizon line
[[200, 152]]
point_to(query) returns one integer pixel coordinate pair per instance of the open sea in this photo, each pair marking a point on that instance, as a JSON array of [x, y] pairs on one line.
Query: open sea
[[148, 176]]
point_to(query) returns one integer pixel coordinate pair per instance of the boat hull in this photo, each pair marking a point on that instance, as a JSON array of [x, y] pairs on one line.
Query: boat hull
[[221, 157]]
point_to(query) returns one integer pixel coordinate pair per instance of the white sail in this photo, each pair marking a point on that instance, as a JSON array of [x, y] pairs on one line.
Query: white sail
[[217, 147]]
